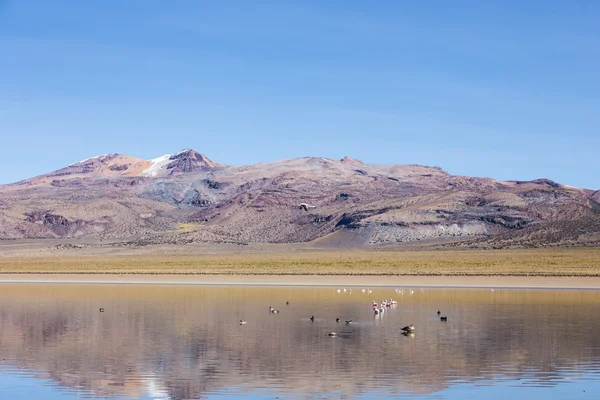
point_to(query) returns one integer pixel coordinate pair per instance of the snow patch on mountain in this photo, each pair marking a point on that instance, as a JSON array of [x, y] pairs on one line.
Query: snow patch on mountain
[[157, 165]]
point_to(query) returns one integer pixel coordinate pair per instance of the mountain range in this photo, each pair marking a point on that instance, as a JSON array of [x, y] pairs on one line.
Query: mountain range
[[188, 198]]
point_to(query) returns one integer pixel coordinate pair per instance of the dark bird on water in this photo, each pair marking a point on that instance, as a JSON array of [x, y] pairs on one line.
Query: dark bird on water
[[102, 310], [445, 318], [439, 312], [409, 328], [337, 320], [349, 322], [312, 318]]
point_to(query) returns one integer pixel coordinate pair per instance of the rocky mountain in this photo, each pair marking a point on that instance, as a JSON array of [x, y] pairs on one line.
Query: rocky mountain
[[118, 165], [186, 197]]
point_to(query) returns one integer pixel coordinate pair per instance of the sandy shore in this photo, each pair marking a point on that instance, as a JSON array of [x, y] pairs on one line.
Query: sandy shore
[[313, 280]]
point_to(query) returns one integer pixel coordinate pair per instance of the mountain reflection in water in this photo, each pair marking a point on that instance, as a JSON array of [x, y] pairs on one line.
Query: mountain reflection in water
[[184, 342]]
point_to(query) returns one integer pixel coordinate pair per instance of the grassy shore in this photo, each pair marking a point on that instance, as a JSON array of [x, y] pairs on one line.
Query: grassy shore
[[537, 262]]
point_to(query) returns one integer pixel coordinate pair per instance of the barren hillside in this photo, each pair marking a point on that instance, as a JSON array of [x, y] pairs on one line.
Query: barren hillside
[[186, 197]]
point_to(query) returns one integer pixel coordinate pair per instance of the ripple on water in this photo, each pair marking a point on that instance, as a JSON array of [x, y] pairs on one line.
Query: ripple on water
[[186, 342]]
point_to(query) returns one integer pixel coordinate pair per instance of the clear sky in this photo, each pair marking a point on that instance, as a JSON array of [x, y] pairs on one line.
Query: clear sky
[[504, 89]]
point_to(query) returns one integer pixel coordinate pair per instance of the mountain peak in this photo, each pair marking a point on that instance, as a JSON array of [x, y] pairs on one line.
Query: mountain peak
[[99, 158], [351, 160], [187, 160], [186, 150]]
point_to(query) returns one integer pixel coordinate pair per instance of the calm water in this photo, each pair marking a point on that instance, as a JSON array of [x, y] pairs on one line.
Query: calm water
[[174, 342]]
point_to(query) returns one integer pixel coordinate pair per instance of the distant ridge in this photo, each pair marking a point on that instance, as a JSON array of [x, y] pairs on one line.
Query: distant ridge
[[351, 160], [112, 165], [186, 197]]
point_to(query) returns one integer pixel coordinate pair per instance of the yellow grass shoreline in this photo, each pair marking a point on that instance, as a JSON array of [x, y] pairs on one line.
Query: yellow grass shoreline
[[571, 262]]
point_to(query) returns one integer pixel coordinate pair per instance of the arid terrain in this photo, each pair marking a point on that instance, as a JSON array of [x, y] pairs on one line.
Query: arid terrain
[[115, 200], [295, 261]]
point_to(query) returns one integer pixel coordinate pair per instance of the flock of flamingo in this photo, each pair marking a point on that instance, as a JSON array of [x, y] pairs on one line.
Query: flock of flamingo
[[378, 309]]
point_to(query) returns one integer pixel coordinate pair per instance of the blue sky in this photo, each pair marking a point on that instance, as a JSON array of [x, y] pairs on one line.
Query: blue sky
[[503, 89]]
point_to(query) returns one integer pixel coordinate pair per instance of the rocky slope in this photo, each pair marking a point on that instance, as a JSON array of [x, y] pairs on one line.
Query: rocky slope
[[186, 197]]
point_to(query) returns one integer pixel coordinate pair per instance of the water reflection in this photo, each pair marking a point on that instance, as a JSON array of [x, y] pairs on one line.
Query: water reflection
[[186, 342]]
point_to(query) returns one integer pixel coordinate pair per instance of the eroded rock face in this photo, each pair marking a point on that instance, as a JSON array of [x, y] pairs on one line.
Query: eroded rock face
[[56, 224], [119, 167], [541, 181], [44, 218], [55, 220]]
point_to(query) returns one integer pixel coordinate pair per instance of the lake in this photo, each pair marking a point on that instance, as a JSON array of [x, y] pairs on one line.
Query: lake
[[186, 342]]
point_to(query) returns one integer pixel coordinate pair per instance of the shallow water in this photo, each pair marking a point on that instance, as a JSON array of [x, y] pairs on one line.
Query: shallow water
[[185, 342]]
